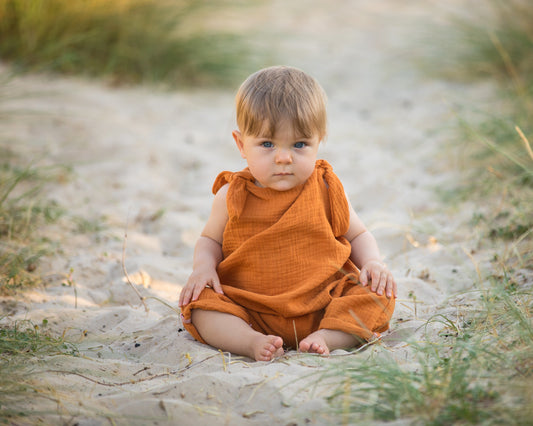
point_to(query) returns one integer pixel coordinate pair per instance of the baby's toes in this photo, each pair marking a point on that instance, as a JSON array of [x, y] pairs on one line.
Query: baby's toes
[[319, 349], [304, 346]]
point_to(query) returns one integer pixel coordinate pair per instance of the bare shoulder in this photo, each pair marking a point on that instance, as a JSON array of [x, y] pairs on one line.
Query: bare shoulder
[[219, 202], [222, 192], [356, 226], [218, 218]]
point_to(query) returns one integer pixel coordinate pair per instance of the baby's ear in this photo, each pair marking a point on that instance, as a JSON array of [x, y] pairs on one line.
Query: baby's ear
[[238, 140]]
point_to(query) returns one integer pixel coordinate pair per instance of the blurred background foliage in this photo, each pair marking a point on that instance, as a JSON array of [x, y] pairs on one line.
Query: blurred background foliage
[[492, 44], [173, 42]]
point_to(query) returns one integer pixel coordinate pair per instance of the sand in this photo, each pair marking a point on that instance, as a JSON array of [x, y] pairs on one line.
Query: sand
[[145, 159]]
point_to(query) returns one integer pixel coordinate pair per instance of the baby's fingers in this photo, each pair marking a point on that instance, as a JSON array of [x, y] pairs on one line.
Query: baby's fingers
[[216, 286], [190, 293], [391, 287], [198, 288], [185, 296], [379, 282], [363, 276], [386, 285]]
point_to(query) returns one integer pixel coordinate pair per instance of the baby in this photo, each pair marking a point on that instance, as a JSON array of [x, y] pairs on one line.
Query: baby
[[284, 261]]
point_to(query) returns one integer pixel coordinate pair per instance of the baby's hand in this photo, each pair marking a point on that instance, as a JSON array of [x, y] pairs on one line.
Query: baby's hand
[[199, 279], [380, 276]]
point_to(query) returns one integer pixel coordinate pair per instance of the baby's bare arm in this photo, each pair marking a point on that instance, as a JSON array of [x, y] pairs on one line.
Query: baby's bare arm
[[207, 255], [207, 252], [366, 256]]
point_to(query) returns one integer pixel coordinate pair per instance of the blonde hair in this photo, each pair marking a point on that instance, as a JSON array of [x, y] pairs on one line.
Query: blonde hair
[[281, 93]]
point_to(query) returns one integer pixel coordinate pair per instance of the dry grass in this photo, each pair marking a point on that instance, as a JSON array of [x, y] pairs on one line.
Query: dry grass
[[127, 41], [22, 212], [23, 345]]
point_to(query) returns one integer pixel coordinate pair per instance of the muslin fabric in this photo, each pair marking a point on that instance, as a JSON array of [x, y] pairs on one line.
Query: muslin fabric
[[286, 267]]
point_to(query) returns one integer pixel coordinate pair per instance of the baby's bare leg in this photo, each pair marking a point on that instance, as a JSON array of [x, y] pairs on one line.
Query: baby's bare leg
[[232, 334], [324, 341]]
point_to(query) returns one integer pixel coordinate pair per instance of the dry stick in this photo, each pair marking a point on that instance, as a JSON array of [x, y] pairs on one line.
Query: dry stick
[[225, 366], [143, 298], [168, 305], [296, 336], [71, 281], [98, 382], [518, 83], [141, 370], [128, 279], [526, 142]]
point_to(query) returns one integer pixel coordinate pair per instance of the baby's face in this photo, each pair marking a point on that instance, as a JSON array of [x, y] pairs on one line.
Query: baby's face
[[280, 162]]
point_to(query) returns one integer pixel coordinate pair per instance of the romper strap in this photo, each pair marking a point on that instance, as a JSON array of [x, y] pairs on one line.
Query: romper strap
[[340, 214]]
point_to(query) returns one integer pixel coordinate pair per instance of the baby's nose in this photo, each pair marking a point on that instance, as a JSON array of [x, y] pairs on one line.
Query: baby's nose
[[283, 156]]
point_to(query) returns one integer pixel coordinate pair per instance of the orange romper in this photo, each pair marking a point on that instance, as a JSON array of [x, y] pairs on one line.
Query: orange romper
[[286, 268]]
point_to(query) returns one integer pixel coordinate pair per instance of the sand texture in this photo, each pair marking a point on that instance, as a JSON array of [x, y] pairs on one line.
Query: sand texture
[[146, 159]]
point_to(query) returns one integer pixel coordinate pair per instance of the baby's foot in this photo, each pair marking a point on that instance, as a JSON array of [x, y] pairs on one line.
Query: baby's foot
[[314, 343], [266, 348]]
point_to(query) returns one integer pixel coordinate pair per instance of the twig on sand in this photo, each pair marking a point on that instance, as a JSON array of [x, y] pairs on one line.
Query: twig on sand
[[261, 384], [168, 305], [295, 335], [224, 364], [128, 279], [132, 382]]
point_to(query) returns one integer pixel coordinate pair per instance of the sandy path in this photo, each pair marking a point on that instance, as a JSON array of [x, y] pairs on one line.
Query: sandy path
[[149, 159]]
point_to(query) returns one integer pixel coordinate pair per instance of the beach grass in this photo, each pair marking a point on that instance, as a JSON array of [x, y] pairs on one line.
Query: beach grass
[[476, 371], [493, 41], [24, 346], [478, 368], [498, 162], [493, 140], [23, 211], [127, 41], [496, 46], [497, 175]]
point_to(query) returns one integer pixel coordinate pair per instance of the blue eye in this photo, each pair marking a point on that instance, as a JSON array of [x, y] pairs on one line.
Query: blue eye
[[300, 145], [267, 144]]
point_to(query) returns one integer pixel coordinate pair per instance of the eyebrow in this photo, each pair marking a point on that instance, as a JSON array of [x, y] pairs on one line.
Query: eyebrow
[[296, 137]]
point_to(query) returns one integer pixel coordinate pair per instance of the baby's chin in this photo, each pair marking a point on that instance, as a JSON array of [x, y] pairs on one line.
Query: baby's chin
[[280, 185], [281, 182]]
